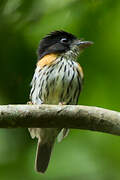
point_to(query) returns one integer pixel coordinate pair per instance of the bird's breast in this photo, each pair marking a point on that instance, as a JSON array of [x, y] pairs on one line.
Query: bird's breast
[[58, 82]]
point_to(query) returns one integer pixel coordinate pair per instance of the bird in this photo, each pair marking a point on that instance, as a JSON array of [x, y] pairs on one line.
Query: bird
[[57, 80]]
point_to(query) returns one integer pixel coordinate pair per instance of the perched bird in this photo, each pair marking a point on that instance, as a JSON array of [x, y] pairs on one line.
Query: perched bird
[[58, 79]]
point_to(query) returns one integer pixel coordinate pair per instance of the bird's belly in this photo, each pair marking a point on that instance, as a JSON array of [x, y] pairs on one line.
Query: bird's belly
[[60, 84], [57, 89]]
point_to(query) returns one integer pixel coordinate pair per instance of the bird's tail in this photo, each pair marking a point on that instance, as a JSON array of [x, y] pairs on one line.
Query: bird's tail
[[43, 156]]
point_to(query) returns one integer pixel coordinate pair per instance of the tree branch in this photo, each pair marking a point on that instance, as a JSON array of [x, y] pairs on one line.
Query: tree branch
[[53, 116]]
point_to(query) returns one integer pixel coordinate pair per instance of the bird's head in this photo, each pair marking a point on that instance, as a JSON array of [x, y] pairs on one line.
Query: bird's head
[[61, 43]]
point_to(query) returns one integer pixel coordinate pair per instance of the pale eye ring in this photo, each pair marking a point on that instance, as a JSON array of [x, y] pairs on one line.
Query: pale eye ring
[[64, 40]]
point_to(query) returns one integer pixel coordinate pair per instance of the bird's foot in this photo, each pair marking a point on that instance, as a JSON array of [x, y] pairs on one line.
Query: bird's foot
[[62, 103], [29, 103]]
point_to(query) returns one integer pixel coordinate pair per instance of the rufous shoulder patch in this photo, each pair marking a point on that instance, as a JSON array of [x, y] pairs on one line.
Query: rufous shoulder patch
[[47, 60], [80, 70]]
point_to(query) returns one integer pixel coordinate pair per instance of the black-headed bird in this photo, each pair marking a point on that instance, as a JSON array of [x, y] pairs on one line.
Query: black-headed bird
[[58, 79]]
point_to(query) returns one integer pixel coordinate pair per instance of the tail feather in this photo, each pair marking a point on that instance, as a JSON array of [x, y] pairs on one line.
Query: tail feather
[[43, 156]]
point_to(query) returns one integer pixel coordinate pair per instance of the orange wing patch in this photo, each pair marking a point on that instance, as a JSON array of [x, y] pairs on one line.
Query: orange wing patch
[[80, 70], [47, 60]]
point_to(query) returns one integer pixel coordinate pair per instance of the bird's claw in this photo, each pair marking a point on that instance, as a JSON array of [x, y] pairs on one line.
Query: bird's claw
[[29, 103]]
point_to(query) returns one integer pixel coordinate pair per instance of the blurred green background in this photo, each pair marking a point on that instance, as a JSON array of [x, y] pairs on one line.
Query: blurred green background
[[82, 155]]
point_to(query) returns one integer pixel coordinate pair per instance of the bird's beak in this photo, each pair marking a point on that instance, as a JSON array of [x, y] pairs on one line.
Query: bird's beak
[[83, 44]]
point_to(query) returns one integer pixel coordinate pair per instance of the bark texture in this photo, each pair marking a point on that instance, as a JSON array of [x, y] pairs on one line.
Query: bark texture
[[69, 116]]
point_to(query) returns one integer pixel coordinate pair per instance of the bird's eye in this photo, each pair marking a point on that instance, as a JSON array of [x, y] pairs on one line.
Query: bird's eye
[[64, 40]]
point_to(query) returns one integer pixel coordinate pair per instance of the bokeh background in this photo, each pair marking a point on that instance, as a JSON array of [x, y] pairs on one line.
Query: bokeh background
[[83, 154]]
